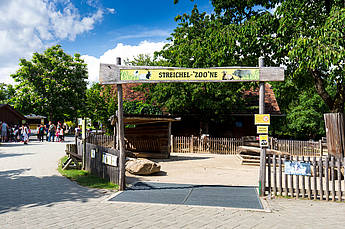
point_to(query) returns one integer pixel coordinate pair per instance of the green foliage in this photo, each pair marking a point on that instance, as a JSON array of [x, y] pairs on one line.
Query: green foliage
[[6, 93], [84, 178], [101, 103], [52, 84], [305, 36], [140, 107]]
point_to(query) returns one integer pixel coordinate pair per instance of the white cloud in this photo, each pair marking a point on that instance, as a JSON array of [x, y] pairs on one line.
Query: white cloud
[[27, 26], [123, 51]]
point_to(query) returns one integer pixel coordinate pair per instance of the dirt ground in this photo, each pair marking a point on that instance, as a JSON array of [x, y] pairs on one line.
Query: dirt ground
[[206, 169]]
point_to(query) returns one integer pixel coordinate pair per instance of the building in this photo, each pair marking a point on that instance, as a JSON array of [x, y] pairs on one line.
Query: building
[[11, 116], [235, 124]]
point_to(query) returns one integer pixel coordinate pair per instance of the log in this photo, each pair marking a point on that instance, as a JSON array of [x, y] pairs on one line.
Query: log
[[249, 149]]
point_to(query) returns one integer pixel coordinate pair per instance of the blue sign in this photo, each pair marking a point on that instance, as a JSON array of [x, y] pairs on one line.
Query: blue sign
[[297, 168]]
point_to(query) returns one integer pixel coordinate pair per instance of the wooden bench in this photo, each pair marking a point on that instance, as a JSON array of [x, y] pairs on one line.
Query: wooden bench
[[73, 157]]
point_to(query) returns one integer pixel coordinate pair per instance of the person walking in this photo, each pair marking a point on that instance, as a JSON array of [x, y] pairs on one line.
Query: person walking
[[51, 132], [4, 128], [41, 133], [25, 134]]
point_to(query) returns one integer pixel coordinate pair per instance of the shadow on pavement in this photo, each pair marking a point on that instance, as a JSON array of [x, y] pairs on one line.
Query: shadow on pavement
[[2, 155], [18, 191]]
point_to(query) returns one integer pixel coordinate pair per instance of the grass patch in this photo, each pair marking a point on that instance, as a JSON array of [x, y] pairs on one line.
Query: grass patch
[[84, 178]]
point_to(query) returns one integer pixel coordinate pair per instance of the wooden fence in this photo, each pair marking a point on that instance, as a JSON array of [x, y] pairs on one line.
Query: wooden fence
[[95, 164], [134, 144], [325, 183], [100, 140], [298, 148], [205, 145], [194, 144]]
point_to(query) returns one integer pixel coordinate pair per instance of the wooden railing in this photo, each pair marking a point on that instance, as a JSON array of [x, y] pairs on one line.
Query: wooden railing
[[138, 144], [325, 182], [205, 145], [298, 148]]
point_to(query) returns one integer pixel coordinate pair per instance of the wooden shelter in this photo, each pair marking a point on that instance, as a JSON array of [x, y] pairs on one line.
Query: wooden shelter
[[147, 135], [11, 116]]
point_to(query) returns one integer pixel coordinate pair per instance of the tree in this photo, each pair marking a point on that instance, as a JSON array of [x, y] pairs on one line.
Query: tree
[[101, 104], [312, 36], [6, 93], [305, 36], [52, 84]]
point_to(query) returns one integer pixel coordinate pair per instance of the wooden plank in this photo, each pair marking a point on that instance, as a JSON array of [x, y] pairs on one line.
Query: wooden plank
[[303, 182], [309, 182], [291, 182], [320, 178], [280, 175], [274, 175], [332, 178], [327, 178], [286, 180], [315, 177], [338, 162], [334, 123], [297, 182]]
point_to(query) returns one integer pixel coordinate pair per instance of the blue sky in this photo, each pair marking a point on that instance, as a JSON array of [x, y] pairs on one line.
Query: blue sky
[[98, 30]]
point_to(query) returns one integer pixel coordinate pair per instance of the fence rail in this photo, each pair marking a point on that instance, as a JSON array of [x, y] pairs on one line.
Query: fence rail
[[182, 144], [325, 183], [205, 145], [298, 148]]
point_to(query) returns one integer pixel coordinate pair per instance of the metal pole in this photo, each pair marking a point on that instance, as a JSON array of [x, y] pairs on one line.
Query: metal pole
[[262, 175], [121, 132]]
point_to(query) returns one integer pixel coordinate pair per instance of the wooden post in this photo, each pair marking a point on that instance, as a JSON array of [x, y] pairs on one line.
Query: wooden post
[[327, 177], [332, 177], [303, 182], [320, 177], [286, 180], [309, 182], [121, 133], [262, 175], [191, 146], [338, 161], [315, 177], [169, 139], [84, 143], [280, 175], [274, 175]]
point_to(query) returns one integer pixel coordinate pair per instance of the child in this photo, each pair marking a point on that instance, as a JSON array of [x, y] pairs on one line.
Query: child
[[61, 135], [57, 134]]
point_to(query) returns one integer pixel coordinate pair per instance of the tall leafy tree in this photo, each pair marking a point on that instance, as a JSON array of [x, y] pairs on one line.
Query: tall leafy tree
[[6, 93], [305, 36], [52, 83]]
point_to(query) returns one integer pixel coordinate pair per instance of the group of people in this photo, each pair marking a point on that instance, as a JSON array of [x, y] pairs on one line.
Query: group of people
[[15, 133], [52, 132]]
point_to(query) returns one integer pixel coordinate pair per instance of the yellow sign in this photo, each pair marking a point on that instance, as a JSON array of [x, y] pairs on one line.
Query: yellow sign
[[263, 140], [262, 119], [262, 129], [214, 74]]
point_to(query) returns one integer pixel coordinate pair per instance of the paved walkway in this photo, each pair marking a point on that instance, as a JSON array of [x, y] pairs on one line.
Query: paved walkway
[[34, 195]]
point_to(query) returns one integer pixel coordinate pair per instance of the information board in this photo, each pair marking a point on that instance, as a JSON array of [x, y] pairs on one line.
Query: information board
[[150, 74], [297, 168], [262, 119]]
